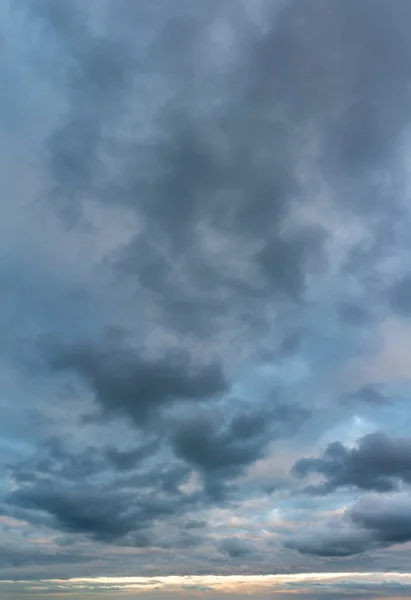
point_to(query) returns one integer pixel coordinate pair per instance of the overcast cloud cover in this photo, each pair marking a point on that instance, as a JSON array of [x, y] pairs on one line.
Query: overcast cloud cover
[[205, 267]]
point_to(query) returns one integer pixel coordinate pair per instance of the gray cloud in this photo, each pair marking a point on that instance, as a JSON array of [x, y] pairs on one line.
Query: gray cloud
[[125, 383], [359, 130], [10, 558], [229, 172], [109, 515], [223, 175], [124, 460], [86, 492], [217, 446], [194, 524], [97, 70], [227, 178], [56, 460], [79, 510], [377, 463], [236, 547], [331, 542], [400, 296], [221, 448], [373, 522], [352, 313], [369, 395], [388, 518]]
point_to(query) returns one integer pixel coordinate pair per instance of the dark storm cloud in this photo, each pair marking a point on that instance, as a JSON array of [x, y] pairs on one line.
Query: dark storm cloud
[[331, 542], [86, 492], [57, 462], [341, 69], [10, 558], [96, 511], [54, 460], [124, 460], [400, 296], [194, 524], [370, 395], [387, 518], [377, 463], [104, 516], [373, 522], [166, 477], [218, 139], [222, 446], [286, 263], [356, 89], [216, 446], [125, 383], [179, 539], [97, 69], [236, 547], [230, 171]]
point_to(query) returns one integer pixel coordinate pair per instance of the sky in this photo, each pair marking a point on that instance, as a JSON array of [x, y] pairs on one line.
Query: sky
[[205, 267]]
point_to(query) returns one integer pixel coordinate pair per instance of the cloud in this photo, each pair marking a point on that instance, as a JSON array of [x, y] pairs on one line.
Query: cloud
[[18, 557], [400, 296], [240, 441], [331, 542], [236, 547], [98, 72], [378, 463], [373, 522], [203, 190], [103, 514], [78, 511], [205, 202], [87, 492], [60, 461], [124, 460], [194, 524], [370, 395], [306, 586], [222, 447], [387, 517], [127, 384], [352, 313], [56, 461]]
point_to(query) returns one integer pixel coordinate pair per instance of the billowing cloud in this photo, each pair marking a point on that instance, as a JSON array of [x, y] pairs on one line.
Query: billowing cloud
[[236, 547], [332, 541], [126, 384], [373, 522], [378, 463], [387, 518]]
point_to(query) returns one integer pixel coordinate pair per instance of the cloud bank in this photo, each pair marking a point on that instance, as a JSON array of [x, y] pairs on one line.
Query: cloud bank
[[205, 265]]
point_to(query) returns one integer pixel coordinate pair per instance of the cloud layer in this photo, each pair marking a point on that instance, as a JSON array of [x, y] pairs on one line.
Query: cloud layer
[[206, 296]]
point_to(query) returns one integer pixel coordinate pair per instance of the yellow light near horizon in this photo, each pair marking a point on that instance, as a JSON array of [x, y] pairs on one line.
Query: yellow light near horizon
[[224, 583]]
